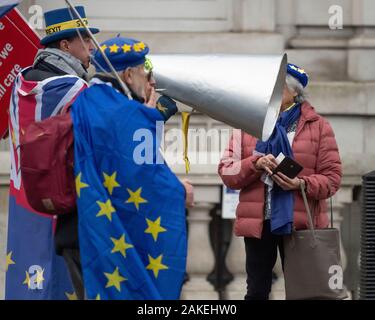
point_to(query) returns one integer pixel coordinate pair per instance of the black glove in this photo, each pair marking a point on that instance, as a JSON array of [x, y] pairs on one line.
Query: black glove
[[166, 106]]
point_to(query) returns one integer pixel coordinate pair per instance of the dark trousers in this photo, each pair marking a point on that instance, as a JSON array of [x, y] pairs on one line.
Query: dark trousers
[[261, 255], [73, 263]]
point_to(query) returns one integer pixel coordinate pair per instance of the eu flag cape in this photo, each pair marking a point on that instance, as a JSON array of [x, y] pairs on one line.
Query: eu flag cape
[[132, 225], [33, 270]]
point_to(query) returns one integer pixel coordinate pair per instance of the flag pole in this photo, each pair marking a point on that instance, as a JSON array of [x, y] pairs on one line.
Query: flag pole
[[97, 45]]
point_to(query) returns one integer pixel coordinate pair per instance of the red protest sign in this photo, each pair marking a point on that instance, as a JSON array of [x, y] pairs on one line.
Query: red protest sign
[[18, 47]]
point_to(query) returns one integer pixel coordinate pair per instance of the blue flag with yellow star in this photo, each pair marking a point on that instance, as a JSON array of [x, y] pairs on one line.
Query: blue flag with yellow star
[[131, 207]]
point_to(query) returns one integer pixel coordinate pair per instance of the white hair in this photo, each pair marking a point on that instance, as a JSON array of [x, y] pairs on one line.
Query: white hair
[[295, 86]]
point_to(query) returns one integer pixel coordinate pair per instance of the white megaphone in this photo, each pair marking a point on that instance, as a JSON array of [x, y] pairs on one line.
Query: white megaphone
[[243, 91]]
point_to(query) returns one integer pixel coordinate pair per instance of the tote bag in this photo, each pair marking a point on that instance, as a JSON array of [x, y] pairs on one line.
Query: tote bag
[[312, 262]]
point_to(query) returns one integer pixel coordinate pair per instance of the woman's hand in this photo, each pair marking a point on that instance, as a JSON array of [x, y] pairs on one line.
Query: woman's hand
[[286, 183], [267, 163]]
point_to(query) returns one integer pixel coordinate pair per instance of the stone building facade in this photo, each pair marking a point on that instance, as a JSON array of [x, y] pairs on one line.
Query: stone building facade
[[333, 40]]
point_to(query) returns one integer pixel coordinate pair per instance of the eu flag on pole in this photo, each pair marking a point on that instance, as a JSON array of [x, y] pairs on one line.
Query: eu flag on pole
[[132, 228]]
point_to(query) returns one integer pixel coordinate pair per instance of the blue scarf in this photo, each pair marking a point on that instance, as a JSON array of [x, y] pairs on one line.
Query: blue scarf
[[282, 202]]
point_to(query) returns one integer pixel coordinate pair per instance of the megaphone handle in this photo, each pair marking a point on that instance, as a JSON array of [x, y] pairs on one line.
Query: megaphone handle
[[185, 129]]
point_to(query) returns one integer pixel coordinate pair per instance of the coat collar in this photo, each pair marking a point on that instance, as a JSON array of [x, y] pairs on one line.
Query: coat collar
[[308, 114]]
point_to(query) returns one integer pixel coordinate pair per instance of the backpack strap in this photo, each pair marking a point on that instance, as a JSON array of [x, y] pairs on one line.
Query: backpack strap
[[66, 108]]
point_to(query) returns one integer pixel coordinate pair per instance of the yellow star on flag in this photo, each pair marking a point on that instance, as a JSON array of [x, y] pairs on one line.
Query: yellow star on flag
[[39, 277], [9, 260], [154, 228], [139, 46], [114, 279], [114, 48], [155, 265], [120, 245], [135, 197], [106, 209], [97, 297], [80, 185], [71, 296], [126, 48], [110, 182], [27, 280], [103, 47]]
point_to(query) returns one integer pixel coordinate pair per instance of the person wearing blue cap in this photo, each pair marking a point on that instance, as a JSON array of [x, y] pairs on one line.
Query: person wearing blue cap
[[68, 47], [272, 204], [129, 58], [57, 77], [105, 113]]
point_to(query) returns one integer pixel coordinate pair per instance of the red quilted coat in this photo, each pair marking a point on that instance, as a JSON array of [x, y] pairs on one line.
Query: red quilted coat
[[314, 147]]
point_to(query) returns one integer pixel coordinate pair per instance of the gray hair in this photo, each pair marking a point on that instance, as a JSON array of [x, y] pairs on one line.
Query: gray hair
[[295, 86]]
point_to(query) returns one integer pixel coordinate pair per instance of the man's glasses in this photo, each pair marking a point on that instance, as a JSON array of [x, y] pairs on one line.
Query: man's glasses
[[148, 69]]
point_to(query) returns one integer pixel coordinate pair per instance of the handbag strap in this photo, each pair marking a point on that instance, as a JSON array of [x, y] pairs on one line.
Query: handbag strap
[[330, 200], [331, 212], [309, 215]]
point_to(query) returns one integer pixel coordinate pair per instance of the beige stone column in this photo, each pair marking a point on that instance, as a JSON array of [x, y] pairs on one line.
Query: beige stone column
[[236, 262], [342, 197], [200, 259]]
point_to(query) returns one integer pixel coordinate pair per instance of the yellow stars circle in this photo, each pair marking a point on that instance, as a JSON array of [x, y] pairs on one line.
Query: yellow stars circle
[[155, 265], [9, 260], [114, 48], [106, 209], [154, 228], [120, 245], [135, 197], [79, 184], [114, 279], [110, 182]]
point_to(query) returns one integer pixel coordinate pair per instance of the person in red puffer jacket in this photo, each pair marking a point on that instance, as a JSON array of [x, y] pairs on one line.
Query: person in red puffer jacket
[[312, 144]]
